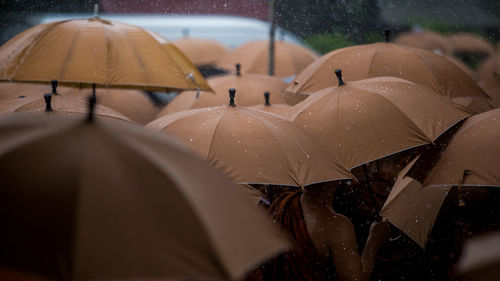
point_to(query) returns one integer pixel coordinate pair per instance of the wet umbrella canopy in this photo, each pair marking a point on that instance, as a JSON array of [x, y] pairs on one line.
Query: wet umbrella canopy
[[253, 146], [386, 59], [368, 119], [108, 201], [427, 40], [96, 51], [201, 51]]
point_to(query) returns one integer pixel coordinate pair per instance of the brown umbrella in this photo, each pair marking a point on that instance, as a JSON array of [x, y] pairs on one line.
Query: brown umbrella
[[290, 58], [463, 66], [253, 146], [94, 51], [131, 103], [489, 79], [280, 109], [470, 159], [189, 100], [470, 43], [385, 59], [201, 51], [481, 258], [57, 105], [249, 86], [108, 201], [427, 40], [413, 208], [369, 119]]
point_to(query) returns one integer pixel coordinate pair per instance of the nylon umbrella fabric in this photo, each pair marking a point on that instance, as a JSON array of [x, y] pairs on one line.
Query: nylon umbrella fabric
[[79, 209], [281, 109], [290, 58], [386, 59], [250, 87], [90, 51], [470, 43], [480, 258], [489, 79], [253, 146], [472, 156], [201, 51], [189, 100], [427, 40], [65, 106], [369, 119], [9, 91]]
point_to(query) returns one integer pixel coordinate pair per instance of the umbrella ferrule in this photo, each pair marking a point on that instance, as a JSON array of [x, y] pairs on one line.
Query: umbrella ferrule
[[387, 33], [54, 86], [266, 97], [238, 69], [338, 72], [48, 99], [232, 93]]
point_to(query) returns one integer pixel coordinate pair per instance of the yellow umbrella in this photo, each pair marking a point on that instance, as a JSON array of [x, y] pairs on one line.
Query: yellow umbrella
[[95, 51]]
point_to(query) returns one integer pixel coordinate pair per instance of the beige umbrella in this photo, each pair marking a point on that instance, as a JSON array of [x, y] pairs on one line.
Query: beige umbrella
[[253, 146], [201, 51], [281, 109], [109, 201], [385, 59], [290, 58], [369, 119], [57, 105], [189, 100], [470, 159], [249, 86], [94, 51], [481, 258], [427, 40]]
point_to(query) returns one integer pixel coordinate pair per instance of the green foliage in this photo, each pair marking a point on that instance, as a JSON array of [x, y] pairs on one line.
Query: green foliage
[[325, 43]]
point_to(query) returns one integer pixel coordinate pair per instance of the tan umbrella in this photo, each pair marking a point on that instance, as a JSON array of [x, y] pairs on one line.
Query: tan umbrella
[[489, 79], [470, 43], [281, 109], [470, 159], [253, 146], [189, 100], [249, 86], [413, 208], [84, 52], [481, 258], [369, 119], [107, 201], [131, 103], [201, 51], [290, 58], [385, 59], [463, 66], [57, 105], [427, 40]]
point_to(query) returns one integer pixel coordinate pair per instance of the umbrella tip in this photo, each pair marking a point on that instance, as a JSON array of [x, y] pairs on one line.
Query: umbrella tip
[[232, 93], [238, 69], [54, 86], [48, 99], [338, 72], [92, 102], [387, 33], [266, 97]]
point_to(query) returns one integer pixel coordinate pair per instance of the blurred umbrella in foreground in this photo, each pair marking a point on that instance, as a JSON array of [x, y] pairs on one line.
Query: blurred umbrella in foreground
[[253, 146], [480, 260], [99, 52], [427, 40], [369, 119], [385, 59], [201, 51], [281, 109], [105, 201], [470, 159], [57, 105], [290, 58]]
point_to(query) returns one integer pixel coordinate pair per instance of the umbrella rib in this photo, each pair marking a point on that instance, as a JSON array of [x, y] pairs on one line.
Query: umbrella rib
[[68, 55]]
